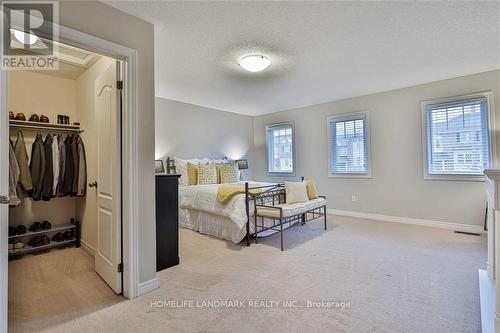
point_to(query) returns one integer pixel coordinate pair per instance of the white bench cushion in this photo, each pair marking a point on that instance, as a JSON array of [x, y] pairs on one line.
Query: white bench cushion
[[291, 209]]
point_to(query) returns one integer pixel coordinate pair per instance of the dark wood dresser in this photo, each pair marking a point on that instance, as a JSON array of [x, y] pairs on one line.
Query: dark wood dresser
[[167, 221]]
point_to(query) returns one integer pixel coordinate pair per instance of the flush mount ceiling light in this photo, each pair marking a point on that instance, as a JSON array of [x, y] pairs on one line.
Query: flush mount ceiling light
[[255, 62], [26, 39]]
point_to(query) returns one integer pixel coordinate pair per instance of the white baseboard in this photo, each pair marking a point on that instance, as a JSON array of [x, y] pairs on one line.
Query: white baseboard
[[408, 220], [148, 286], [87, 248]]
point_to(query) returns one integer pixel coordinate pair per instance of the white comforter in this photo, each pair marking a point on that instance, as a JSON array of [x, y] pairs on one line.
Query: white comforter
[[204, 198]]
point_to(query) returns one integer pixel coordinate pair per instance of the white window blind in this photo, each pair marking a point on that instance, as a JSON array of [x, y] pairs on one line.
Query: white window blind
[[457, 137], [349, 144], [280, 150]]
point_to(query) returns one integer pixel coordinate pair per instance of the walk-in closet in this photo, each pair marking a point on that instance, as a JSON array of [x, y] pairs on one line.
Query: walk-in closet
[[55, 129]]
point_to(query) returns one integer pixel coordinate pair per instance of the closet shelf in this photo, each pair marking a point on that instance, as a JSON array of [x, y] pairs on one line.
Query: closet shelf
[[37, 126], [53, 229], [28, 248]]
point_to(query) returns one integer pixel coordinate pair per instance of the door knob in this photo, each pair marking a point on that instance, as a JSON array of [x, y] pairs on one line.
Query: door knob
[[4, 200], [94, 184]]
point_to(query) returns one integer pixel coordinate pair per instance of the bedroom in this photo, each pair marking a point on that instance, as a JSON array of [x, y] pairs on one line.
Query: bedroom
[[202, 113], [318, 167]]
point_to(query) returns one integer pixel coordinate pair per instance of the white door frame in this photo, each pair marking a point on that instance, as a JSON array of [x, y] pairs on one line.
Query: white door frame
[[130, 163]]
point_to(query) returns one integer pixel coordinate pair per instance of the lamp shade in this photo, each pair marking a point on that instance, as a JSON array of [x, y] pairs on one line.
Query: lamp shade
[[159, 167], [242, 164]]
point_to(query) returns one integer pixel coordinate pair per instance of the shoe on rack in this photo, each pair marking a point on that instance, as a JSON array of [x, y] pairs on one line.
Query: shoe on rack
[[44, 240], [68, 235], [58, 237], [44, 119], [46, 225], [34, 117], [18, 245], [20, 116], [21, 229], [35, 241], [12, 231], [35, 227], [11, 115]]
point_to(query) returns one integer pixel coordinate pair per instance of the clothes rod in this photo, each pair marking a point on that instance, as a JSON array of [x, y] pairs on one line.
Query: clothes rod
[[44, 126]]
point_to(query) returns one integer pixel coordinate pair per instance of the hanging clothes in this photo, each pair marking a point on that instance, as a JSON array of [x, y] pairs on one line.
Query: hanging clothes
[[69, 171], [55, 164], [14, 173], [62, 166], [37, 167], [74, 153], [48, 179], [82, 169], [25, 183]]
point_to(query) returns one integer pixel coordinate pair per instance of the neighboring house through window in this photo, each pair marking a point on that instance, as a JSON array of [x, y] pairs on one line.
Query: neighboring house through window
[[459, 130], [349, 145], [280, 149]]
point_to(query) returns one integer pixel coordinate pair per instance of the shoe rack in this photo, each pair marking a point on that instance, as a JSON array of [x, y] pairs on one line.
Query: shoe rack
[[75, 226]]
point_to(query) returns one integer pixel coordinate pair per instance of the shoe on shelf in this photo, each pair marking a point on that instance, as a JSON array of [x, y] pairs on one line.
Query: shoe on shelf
[[58, 237], [35, 227], [20, 116], [12, 231], [18, 245], [35, 241], [34, 117], [44, 240], [68, 235], [46, 225], [21, 229], [11, 115], [44, 119]]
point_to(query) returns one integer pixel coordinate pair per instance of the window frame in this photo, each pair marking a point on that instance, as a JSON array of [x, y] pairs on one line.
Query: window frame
[[346, 117], [294, 165], [491, 137]]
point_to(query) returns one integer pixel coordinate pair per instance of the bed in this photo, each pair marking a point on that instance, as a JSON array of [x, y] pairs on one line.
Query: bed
[[200, 210]]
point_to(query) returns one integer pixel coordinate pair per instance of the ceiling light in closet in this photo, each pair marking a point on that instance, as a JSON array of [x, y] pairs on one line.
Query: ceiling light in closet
[[255, 62], [26, 39]]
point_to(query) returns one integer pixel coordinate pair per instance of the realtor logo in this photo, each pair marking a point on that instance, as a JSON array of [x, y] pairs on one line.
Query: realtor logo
[[29, 35]]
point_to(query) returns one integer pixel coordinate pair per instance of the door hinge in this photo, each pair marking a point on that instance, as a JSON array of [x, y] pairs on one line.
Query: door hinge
[[119, 85], [120, 268]]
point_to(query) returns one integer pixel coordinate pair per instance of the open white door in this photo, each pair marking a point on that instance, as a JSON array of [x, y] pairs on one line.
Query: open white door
[[107, 117], [4, 199]]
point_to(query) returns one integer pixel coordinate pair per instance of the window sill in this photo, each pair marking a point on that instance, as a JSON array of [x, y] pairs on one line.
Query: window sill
[[280, 174], [350, 175], [459, 178]]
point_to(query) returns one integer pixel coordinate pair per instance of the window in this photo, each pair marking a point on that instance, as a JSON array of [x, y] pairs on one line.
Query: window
[[280, 149], [348, 145], [458, 130]]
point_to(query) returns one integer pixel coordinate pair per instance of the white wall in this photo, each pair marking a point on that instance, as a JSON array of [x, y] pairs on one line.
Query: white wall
[[97, 19], [187, 130], [397, 186]]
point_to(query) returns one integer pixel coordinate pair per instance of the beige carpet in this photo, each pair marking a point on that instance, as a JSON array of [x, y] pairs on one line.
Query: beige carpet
[[392, 278], [54, 287]]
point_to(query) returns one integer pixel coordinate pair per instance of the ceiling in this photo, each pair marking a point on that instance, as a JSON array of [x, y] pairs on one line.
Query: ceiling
[[73, 61], [320, 51]]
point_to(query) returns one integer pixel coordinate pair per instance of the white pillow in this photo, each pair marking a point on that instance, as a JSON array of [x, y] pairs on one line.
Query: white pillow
[[296, 192], [181, 169]]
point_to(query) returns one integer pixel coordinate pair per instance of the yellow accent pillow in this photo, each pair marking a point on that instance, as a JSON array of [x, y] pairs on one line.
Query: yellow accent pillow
[[207, 174], [192, 171], [228, 173], [311, 189]]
